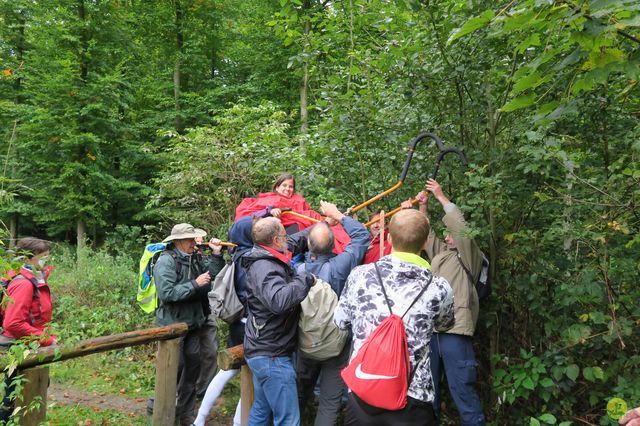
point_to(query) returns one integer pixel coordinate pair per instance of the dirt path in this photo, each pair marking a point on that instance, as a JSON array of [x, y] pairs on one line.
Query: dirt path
[[133, 407], [63, 394]]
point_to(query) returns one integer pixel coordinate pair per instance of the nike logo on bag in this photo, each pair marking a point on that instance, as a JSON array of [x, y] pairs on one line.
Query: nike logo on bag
[[366, 376]]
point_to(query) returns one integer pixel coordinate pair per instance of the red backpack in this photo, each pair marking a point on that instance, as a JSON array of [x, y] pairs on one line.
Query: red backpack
[[380, 374]]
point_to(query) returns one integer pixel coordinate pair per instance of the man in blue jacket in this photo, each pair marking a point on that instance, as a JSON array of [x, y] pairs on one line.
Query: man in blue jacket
[[274, 293], [334, 269]]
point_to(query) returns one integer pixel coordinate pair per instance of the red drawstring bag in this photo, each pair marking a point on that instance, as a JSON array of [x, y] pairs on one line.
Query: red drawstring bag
[[379, 374]]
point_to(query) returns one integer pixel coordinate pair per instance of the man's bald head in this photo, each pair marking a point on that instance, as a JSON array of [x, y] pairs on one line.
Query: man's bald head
[[409, 230], [321, 240], [265, 231]]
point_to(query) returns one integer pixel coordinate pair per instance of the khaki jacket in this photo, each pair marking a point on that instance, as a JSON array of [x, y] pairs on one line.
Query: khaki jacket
[[444, 263]]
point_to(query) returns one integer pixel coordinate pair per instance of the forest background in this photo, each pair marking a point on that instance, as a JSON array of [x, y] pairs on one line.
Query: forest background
[[120, 118]]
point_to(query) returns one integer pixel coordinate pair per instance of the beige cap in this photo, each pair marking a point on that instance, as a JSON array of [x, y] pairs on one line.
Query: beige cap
[[183, 231]]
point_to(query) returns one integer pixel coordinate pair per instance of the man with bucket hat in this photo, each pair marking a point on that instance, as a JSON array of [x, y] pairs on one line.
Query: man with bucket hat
[[183, 279]]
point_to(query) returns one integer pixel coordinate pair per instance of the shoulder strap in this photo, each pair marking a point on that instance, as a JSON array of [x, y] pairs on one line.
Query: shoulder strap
[[237, 254], [36, 294], [175, 261], [32, 280], [387, 298], [469, 274], [418, 296]]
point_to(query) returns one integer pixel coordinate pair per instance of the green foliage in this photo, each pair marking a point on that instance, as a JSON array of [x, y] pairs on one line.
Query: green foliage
[[214, 167], [542, 95], [95, 295], [582, 44]]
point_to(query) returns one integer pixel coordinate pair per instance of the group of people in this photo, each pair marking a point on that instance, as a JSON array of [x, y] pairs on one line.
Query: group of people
[[278, 258]]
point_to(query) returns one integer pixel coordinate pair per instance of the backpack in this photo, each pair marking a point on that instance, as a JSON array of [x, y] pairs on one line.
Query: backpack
[[147, 297], [379, 375], [223, 299], [483, 284], [5, 282], [318, 337]]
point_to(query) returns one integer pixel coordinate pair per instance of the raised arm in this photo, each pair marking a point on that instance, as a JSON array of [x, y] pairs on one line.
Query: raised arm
[[459, 229]]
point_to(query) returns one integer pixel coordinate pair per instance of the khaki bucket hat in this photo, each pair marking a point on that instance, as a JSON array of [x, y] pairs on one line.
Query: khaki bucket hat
[[183, 231]]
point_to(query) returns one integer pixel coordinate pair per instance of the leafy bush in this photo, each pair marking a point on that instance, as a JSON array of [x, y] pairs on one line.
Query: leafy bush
[[95, 295], [213, 168]]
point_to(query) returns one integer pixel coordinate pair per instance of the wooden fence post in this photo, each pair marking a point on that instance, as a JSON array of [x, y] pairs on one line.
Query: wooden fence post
[[246, 394], [164, 406], [36, 384]]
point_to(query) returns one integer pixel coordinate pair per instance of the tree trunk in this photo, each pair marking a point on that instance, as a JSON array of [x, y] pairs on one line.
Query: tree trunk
[[213, 63], [304, 87], [568, 205], [81, 227], [84, 43], [20, 49], [493, 116], [13, 230], [81, 234], [304, 111], [177, 74]]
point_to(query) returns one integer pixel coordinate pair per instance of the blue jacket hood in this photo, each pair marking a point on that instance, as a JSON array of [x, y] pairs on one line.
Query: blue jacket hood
[[240, 233]]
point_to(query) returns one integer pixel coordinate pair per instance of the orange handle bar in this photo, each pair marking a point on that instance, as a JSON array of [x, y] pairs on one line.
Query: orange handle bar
[[374, 199], [291, 212], [391, 213]]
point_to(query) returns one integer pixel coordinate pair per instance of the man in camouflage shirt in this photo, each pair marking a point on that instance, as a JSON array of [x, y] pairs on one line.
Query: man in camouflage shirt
[[362, 306]]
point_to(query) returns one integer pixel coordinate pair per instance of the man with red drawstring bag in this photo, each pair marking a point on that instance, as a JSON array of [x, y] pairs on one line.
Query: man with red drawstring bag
[[392, 307]]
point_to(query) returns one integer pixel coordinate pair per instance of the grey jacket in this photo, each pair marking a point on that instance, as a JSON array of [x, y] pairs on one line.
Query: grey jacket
[[445, 263]]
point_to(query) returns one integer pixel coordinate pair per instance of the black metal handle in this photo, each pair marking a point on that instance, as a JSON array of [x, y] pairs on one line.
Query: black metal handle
[[412, 148], [441, 155]]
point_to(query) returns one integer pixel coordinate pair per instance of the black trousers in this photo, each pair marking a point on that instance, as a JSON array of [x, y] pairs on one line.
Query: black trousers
[[415, 413], [188, 372]]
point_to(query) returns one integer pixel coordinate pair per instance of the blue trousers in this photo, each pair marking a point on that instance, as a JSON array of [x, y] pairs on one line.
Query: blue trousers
[[455, 353], [275, 391]]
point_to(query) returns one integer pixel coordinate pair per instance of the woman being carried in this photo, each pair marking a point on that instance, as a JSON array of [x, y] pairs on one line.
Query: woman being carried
[[282, 197]]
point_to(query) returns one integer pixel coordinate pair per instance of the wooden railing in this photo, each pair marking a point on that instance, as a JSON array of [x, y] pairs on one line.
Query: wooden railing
[[37, 374]]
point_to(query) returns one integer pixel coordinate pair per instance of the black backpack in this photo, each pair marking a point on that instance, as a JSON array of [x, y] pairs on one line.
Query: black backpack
[[483, 284]]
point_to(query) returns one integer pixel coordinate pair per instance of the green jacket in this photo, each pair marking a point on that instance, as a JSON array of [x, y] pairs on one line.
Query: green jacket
[[179, 297], [445, 263]]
